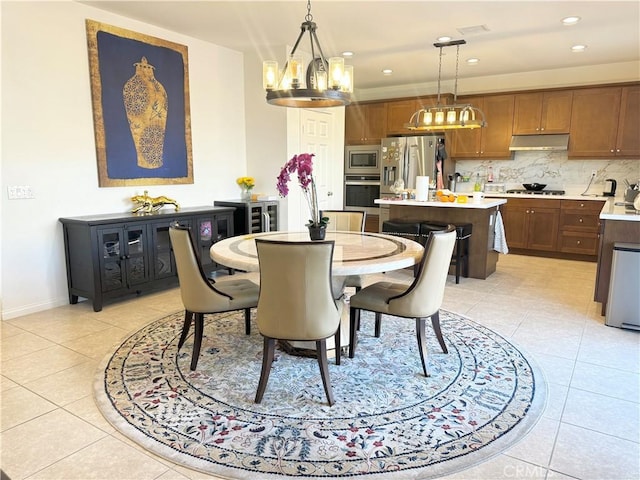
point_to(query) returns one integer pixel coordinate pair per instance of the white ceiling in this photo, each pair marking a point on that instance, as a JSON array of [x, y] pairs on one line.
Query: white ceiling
[[522, 35]]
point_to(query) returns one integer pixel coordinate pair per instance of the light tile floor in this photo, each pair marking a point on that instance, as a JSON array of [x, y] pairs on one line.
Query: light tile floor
[[51, 428]]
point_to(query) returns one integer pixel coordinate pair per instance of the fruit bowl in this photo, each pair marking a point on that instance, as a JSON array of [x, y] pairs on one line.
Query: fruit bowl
[[535, 187]]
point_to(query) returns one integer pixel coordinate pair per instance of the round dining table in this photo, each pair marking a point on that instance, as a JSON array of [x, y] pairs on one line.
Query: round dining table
[[355, 253]]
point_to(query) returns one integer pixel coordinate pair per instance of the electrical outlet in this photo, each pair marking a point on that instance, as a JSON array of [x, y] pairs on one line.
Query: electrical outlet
[[594, 173], [20, 192]]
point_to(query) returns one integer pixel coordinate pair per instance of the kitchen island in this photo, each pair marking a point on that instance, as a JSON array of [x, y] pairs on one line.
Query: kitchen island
[[481, 215], [618, 224]]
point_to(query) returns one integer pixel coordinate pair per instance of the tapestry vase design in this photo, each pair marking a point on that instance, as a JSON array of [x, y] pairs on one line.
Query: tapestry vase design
[[145, 101]]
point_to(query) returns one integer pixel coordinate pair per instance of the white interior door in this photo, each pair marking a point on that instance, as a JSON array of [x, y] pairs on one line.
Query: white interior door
[[316, 137]]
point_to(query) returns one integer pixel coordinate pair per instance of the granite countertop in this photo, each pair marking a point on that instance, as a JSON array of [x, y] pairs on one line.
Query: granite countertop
[[483, 204]]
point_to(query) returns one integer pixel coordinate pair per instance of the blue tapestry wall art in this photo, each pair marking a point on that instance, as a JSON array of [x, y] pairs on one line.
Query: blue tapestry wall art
[[140, 96]]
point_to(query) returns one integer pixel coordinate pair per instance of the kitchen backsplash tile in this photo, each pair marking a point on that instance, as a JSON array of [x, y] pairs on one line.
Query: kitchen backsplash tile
[[554, 169]]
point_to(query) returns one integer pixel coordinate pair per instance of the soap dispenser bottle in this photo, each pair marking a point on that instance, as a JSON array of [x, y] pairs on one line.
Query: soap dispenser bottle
[[477, 187]]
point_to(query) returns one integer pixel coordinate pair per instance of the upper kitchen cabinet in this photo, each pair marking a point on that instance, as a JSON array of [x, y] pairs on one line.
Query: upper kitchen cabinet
[[365, 123], [542, 113], [605, 122], [493, 140], [398, 114], [628, 138]]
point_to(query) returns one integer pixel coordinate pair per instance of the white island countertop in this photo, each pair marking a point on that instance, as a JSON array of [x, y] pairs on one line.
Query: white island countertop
[[484, 204], [614, 209]]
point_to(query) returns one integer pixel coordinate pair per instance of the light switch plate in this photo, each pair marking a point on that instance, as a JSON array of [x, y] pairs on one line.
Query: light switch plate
[[20, 192]]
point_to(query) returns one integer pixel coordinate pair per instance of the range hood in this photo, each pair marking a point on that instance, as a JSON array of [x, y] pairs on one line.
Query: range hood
[[539, 142]]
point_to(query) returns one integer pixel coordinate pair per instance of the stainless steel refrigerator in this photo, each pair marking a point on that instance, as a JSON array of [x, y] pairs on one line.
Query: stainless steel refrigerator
[[405, 158]]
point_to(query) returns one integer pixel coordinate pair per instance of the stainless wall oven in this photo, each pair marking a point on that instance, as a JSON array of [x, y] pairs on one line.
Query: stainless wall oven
[[360, 191], [362, 160]]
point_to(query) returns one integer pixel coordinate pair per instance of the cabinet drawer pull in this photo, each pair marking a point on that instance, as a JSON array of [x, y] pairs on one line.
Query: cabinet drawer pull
[[578, 242], [580, 220]]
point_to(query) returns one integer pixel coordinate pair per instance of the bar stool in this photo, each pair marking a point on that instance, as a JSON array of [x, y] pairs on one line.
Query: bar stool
[[410, 230], [460, 258]]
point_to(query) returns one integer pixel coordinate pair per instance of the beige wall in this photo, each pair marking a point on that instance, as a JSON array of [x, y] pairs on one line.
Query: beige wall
[[47, 134], [48, 140]]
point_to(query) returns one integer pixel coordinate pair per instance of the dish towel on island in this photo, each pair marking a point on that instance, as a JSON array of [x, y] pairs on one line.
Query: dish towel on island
[[500, 239]]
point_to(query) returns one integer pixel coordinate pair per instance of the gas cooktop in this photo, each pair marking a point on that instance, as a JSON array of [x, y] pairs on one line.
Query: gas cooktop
[[539, 192]]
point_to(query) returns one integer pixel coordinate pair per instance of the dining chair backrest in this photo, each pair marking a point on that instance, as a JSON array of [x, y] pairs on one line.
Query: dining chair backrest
[[296, 301], [198, 295], [424, 296], [345, 221]]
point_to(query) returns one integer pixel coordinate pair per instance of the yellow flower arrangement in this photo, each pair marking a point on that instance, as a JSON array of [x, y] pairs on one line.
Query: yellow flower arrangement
[[246, 183]]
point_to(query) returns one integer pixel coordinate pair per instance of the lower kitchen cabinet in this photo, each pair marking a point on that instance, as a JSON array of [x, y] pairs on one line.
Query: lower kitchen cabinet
[[113, 255], [553, 227], [531, 224], [579, 226]]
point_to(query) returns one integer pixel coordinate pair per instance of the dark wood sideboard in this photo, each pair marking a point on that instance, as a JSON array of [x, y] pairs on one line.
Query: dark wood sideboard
[[112, 255]]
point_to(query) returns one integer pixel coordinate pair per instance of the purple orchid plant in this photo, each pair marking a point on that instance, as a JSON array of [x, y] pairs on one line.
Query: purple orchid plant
[[303, 165]]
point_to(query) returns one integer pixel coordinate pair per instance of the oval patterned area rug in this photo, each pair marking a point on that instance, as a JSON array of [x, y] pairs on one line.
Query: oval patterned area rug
[[389, 421]]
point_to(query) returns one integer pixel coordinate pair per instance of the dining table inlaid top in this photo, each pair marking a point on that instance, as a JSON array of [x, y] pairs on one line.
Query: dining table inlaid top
[[354, 252]]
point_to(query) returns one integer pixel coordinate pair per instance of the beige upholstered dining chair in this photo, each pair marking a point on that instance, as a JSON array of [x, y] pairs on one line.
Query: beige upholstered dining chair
[[200, 297], [421, 300], [346, 221], [296, 302]]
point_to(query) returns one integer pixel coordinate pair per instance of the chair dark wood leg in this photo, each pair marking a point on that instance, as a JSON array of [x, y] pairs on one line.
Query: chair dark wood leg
[[354, 314], [197, 342], [268, 350], [337, 342], [435, 322], [321, 350], [247, 321], [188, 317], [422, 343], [458, 260], [378, 326]]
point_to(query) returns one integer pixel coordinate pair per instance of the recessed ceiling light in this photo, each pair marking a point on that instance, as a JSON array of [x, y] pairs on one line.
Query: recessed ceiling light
[[347, 54], [387, 71], [578, 48], [444, 39], [472, 61], [570, 20]]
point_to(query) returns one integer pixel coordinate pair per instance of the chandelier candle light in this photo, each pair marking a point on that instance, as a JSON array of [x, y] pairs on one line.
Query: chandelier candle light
[[303, 165], [447, 117], [324, 84]]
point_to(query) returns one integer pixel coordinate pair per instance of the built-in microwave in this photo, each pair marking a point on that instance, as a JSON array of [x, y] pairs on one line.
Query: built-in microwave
[[362, 160]]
